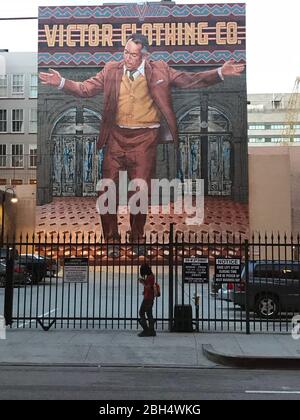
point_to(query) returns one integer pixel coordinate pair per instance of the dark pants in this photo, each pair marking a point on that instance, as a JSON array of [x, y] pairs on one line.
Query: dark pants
[[133, 151], [146, 309]]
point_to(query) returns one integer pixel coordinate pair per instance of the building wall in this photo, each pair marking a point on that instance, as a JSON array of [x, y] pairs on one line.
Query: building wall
[[268, 116], [9, 211], [270, 196], [19, 64]]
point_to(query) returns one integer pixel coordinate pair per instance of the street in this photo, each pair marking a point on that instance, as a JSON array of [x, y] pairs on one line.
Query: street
[[129, 383]]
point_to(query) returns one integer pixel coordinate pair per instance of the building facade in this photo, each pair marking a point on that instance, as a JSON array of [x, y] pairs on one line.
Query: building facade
[[18, 118], [271, 120]]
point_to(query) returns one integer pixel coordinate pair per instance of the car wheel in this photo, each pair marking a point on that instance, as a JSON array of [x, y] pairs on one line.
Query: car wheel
[[267, 306]]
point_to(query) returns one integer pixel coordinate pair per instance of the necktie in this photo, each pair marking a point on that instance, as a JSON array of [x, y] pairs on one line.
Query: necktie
[[130, 74]]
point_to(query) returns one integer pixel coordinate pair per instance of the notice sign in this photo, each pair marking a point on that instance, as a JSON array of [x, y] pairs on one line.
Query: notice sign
[[228, 270], [195, 270], [76, 270]]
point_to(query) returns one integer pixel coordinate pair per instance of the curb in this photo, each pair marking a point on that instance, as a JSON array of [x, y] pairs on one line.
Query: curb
[[103, 365], [252, 362]]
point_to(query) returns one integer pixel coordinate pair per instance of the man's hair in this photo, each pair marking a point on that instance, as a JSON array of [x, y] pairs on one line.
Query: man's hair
[[139, 39]]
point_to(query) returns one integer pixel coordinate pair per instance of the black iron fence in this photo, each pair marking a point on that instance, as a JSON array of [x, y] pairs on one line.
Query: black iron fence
[[220, 283]]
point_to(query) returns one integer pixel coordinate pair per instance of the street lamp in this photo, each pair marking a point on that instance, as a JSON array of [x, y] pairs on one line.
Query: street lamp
[[13, 200]]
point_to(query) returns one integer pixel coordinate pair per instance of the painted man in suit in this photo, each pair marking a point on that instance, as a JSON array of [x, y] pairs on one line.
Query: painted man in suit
[[137, 98]]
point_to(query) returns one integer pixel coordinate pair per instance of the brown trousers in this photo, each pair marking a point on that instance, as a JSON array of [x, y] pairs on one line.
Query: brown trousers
[[134, 151]]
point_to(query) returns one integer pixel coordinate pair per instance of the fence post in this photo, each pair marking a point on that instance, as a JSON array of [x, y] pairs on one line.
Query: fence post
[[171, 276], [9, 286], [246, 286]]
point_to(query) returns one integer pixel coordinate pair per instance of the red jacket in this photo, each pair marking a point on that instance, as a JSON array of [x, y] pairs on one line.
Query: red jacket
[[149, 287], [160, 77]]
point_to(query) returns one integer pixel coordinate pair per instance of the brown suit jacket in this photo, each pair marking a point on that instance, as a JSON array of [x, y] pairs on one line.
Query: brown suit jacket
[[160, 77]]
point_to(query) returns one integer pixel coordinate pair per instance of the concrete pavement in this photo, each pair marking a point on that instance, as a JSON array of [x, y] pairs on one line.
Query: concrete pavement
[[123, 348]]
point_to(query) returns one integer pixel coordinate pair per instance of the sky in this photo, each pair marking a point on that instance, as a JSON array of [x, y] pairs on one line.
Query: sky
[[273, 37]]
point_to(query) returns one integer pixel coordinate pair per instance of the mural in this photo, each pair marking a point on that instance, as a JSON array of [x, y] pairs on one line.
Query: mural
[[189, 82]]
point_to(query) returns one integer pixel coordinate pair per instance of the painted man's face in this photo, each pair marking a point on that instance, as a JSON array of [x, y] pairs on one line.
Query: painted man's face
[[133, 55]]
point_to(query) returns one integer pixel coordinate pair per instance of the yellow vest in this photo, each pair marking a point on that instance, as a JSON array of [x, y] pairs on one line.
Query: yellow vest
[[136, 108]]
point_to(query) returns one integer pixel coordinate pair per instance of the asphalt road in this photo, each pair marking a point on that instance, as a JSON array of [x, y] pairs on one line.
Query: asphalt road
[[110, 383]]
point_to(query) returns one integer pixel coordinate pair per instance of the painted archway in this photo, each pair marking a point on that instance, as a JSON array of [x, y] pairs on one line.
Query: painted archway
[[76, 163], [205, 150]]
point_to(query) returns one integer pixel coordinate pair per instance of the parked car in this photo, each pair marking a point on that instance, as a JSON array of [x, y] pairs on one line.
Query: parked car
[[51, 266], [37, 266], [273, 287], [21, 275], [3, 253]]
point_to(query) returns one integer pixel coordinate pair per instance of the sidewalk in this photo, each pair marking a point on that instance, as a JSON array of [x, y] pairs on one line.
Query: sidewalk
[[124, 348]]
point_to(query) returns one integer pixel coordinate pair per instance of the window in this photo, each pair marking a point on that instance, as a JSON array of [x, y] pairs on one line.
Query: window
[[33, 86], [290, 271], [217, 122], [257, 140], [256, 108], [16, 182], [296, 139], [267, 271], [277, 271], [3, 181], [297, 126], [32, 155], [18, 84], [33, 121], [276, 104], [3, 85], [279, 126], [17, 121], [3, 156], [256, 127], [17, 155], [279, 139], [3, 121], [32, 182]]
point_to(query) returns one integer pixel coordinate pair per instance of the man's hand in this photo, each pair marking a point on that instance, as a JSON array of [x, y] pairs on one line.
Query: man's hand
[[53, 78], [231, 69]]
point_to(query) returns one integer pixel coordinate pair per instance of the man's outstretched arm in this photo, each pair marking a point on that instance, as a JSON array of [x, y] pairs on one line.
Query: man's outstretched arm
[[191, 80], [86, 89]]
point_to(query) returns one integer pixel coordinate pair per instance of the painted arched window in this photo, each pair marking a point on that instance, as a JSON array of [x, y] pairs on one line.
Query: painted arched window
[[73, 120], [198, 159], [77, 164], [190, 121], [217, 121]]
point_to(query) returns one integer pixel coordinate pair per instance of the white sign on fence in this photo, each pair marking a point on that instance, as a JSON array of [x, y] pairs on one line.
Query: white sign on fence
[[76, 270]]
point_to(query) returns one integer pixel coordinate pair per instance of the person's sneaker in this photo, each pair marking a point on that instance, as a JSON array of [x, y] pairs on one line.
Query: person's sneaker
[[143, 334], [152, 333]]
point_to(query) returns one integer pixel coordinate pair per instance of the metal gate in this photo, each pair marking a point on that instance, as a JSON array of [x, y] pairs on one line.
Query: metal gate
[[110, 295]]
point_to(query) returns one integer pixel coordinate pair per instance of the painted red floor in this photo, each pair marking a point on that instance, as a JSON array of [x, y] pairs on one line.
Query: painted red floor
[[78, 215]]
